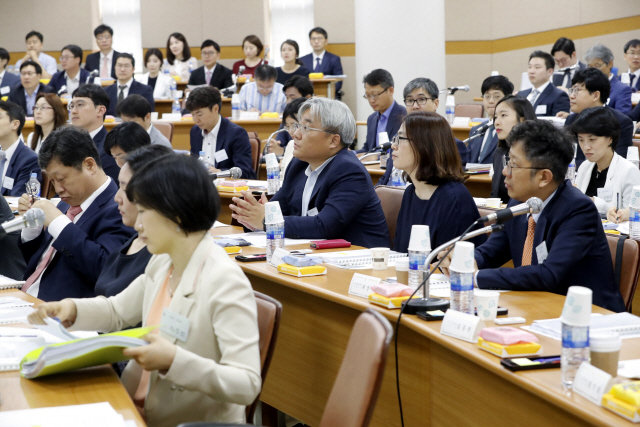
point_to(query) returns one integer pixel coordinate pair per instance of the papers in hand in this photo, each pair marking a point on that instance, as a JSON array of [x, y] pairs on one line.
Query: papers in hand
[[56, 329]]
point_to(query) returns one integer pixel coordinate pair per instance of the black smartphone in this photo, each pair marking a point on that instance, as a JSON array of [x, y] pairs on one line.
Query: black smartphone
[[430, 316], [531, 363], [251, 258]]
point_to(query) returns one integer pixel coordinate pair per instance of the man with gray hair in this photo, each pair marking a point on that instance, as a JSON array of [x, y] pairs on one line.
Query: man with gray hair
[[601, 58], [327, 193]]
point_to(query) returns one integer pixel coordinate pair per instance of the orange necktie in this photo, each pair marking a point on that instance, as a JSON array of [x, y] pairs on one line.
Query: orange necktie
[[528, 243]]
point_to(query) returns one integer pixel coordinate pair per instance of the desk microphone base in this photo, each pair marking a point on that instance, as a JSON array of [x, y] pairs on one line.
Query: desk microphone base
[[414, 305]]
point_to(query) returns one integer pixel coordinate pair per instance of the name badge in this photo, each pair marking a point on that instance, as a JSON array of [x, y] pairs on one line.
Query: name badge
[[313, 212], [541, 252], [174, 325], [605, 194], [221, 155], [7, 183], [462, 326], [276, 257], [5, 90], [592, 383], [541, 109], [361, 284]]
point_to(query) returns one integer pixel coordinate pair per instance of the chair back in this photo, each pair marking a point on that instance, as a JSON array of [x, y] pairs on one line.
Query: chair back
[[390, 200], [269, 311], [629, 266], [47, 189], [165, 128], [255, 142], [355, 390], [469, 110]]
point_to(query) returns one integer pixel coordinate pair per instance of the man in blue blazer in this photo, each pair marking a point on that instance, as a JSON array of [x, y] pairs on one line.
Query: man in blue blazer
[[327, 193], [564, 53], [546, 99], [569, 247], [82, 230], [70, 59], [126, 85], [224, 143], [217, 74], [24, 93], [7, 79], [632, 56], [321, 61], [19, 160], [96, 60], [601, 58]]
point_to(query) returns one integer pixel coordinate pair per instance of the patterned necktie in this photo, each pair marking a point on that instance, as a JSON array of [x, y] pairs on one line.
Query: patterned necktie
[[317, 68], [121, 95], [534, 98], [208, 77], [528, 243], [104, 70], [72, 212]]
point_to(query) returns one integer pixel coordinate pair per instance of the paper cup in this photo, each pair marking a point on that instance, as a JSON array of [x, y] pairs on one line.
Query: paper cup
[[272, 213], [154, 116], [380, 258], [462, 261], [577, 306], [494, 202], [271, 160], [420, 239], [486, 304]]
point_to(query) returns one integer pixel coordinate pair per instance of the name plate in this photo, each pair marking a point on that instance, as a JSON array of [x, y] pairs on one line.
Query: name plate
[[276, 258], [361, 284], [462, 326], [592, 383]]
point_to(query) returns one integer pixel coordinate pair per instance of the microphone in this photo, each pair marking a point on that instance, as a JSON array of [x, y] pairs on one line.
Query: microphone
[[241, 70], [34, 218], [532, 206], [381, 148], [480, 132], [63, 89], [464, 88], [233, 173], [265, 150]]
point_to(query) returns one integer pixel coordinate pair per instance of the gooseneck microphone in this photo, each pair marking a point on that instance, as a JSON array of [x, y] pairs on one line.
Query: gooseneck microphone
[[233, 173], [33, 218], [532, 206]]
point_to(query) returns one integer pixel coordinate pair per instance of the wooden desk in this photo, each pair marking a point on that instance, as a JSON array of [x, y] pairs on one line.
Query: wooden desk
[[479, 185], [443, 381], [461, 132], [375, 171], [90, 385]]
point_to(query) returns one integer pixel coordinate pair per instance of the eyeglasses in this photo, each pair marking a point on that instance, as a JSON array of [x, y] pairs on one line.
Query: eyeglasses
[[634, 53], [41, 108], [306, 129], [65, 57], [124, 66], [374, 97], [103, 38], [207, 54], [575, 90], [28, 73], [496, 97], [290, 129], [317, 39], [78, 104], [421, 101], [397, 139], [598, 65], [506, 163]]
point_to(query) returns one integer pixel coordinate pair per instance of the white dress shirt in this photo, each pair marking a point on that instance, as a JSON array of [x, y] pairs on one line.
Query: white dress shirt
[[93, 133], [72, 83], [48, 63], [9, 154], [209, 143], [315, 57], [312, 177], [541, 89]]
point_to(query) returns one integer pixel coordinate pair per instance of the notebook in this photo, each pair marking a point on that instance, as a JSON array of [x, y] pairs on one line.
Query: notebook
[[15, 314], [9, 283], [360, 258]]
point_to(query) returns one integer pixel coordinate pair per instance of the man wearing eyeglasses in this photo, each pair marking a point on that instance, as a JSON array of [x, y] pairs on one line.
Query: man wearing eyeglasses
[[561, 246], [632, 56], [125, 84], [321, 61], [264, 94], [71, 76], [103, 61], [327, 192], [25, 93], [601, 58], [564, 53], [387, 115], [211, 73]]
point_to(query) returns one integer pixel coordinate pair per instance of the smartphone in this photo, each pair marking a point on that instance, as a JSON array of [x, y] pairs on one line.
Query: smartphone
[[251, 258], [531, 363]]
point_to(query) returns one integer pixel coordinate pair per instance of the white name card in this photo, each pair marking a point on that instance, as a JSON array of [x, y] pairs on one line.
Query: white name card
[[276, 258], [361, 284], [461, 121], [462, 326], [592, 383]]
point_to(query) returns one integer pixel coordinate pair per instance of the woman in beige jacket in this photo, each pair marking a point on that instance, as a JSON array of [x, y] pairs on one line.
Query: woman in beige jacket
[[204, 365]]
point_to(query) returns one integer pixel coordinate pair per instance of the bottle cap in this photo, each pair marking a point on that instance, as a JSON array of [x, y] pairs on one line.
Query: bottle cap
[[604, 341], [632, 153], [577, 306], [402, 264], [271, 160], [34, 175], [272, 213], [462, 260], [635, 196], [202, 153], [383, 138], [420, 239]]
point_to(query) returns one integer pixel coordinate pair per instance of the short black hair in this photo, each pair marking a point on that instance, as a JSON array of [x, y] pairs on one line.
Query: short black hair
[[101, 29], [500, 83], [204, 97], [564, 44], [265, 72], [302, 83], [598, 121], [4, 54], [209, 42], [143, 155], [319, 30], [35, 33], [544, 145], [75, 50], [15, 112], [291, 110], [95, 93], [133, 106], [127, 56], [593, 80], [129, 136], [35, 65], [379, 77], [153, 52], [178, 188], [68, 145], [548, 59], [631, 43]]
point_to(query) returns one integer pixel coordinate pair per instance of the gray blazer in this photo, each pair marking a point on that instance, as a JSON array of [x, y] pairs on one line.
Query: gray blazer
[[158, 138]]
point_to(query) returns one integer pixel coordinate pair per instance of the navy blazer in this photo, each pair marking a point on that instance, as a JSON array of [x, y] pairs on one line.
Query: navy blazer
[[234, 140], [221, 77], [636, 84], [393, 125], [330, 66], [558, 76], [135, 89], [554, 99], [578, 252], [348, 206], [633, 115], [12, 264], [620, 96], [23, 162], [626, 135], [17, 95], [59, 79], [476, 144], [92, 62], [109, 165], [8, 80], [82, 249]]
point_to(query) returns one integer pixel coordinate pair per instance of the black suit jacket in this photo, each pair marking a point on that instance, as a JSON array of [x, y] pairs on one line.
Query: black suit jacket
[[393, 124], [17, 96], [12, 264], [59, 79], [558, 76], [135, 89], [8, 81], [92, 62], [553, 99], [109, 165], [221, 77]]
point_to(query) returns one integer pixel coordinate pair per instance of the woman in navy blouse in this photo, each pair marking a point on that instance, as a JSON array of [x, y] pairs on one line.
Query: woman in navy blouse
[[124, 265], [426, 151]]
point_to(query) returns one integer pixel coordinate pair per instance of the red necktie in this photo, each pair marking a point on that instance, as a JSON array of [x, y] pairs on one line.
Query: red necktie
[[528, 243]]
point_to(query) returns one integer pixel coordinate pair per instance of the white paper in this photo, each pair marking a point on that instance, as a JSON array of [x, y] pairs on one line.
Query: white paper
[[361, 284], [94, 415], [605, 194], [623, 227], [462, 326], [7, 183], [276, 257], [221, 155], [625, 324], [5, 90], [56, 329], [592, 383], [219, 224], [629, 369], [259, 239]]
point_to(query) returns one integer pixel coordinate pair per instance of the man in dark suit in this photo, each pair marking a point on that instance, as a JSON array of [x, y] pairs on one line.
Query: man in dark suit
[[564, 53], [71, 76], [327, 193], [225, 144], [7, 80], [601, 58], [105, 60], [321, 61], [126, 85], [17, 162], [546, 99], [12, 264], [24, 94], [65, 260], [563, 245], [87, 110], [211, 73], [632, 56], [591, 89]]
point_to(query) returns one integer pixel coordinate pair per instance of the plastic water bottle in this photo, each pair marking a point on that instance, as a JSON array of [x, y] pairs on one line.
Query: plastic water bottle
[[416, 267], [571, 172], [203, 159], [165, 66], [462, 291], [397, 180], [384, 156], [176, 108], [34, 184], [235, 106], [190, 68], [575, 350], [634, 222], [273, 173], [275, 238], [451, 108], [174, 88]]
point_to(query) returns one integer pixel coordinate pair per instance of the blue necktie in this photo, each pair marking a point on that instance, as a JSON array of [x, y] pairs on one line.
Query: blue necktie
[[315, 70]]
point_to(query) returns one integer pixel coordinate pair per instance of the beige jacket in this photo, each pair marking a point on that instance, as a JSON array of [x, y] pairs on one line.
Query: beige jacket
[[216, 372]]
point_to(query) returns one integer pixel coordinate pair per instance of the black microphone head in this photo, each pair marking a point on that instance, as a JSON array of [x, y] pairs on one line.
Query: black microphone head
[[385, 147], [235, 172], [535, 205]]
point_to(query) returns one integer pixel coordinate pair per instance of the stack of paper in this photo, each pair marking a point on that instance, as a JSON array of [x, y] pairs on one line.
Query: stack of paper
[[94, 414], [625, 324], [259, 239], [9, 283]]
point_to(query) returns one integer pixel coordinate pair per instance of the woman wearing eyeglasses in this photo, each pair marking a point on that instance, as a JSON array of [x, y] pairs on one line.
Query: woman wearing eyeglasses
[[426, 151], [49, 114]]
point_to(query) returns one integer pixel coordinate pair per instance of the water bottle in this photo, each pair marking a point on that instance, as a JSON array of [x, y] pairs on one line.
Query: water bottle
[[203, 159], [34, 184], [451, 109], [397, 180], [165, 66], [384, 157], [575, 350], [273, 173], [571, 172], [190, 68], [462, 291], [235, 106], [634, 222], [417, 258], [176, 108], [275, 238], [173, 86]]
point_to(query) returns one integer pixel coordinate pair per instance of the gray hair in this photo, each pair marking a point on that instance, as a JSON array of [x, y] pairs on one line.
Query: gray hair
[[599, 51], [428, 85], [335, 117]]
